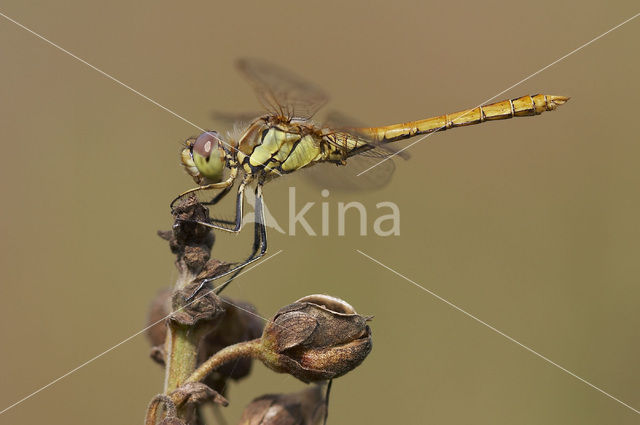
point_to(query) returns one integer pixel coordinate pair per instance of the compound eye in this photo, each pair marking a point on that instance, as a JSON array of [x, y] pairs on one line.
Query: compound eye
[[206, 143], [208, 156]]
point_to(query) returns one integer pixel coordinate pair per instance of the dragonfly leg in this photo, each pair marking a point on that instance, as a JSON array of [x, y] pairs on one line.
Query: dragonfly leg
[[217, 199], [216, 224], [225, 186], [220, 221], [219, 196], [259, 239], [259, 247]]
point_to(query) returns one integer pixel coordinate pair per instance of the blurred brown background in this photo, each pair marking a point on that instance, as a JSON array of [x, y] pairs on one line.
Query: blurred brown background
[[529, 224]]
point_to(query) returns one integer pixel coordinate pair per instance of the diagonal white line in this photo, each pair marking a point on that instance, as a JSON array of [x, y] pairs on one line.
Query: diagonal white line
[[546, 359], [114, 79], [135, 335], [252, 313], [505, 90]]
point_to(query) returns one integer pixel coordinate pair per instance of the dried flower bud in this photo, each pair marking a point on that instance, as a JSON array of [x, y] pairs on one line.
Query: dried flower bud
[[203, 311], [190, 241], [305, 407], [316, 338], [157, 404], [196, 393]]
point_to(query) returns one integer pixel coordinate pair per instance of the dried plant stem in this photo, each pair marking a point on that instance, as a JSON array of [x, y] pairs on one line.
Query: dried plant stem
[[181, 347], [236, 351]]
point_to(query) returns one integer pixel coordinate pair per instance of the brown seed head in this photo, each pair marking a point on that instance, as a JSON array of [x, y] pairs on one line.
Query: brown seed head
[[203, 311], [316, 338], [305, 407]]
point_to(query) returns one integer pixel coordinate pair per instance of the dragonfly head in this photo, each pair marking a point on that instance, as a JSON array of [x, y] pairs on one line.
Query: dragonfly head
[[204, 158]]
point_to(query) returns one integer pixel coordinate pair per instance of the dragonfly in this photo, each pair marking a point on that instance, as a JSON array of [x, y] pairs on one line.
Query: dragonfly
[[286, 139]]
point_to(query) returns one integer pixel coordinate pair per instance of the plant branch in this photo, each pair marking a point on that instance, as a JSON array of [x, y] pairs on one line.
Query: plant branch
[[232, 352], [182, 355]]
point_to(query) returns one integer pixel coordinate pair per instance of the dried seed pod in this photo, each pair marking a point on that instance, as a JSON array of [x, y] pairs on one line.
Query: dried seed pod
[[316, 338], [157, 404], [196, 393], [304, 407], [190, 241], [203, 312]]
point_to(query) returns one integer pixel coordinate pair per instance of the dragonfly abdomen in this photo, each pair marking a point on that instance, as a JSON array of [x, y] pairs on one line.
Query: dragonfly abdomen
[[520, 107]]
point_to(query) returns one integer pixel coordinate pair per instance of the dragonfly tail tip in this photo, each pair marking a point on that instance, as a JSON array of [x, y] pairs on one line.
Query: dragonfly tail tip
[[554, 101]]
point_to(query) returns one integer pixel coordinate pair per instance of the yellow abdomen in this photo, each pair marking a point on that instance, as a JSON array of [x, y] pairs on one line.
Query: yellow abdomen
[[519, 107]]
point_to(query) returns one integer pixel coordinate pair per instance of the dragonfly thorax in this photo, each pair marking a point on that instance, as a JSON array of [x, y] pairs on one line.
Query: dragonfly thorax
[[276, 149]]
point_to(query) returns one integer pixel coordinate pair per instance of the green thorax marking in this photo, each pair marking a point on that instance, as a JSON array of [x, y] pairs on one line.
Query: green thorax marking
[[288, 151]]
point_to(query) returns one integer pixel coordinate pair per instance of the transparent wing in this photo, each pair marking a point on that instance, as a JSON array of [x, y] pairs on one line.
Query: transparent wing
[[231, 119], [280, 91], [346, 178], [342, 123], [369, 168]]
